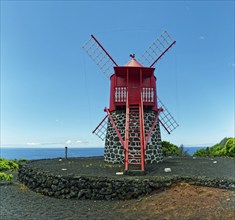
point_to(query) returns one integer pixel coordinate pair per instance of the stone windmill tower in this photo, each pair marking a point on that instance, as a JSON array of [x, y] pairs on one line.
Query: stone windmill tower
[[131, 127]]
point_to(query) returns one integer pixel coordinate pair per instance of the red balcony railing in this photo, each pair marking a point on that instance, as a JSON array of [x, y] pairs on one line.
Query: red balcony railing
[[148, 95], [121, 94]]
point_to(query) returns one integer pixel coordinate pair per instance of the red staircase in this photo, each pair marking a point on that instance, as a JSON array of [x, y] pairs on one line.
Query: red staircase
[[134, 137]]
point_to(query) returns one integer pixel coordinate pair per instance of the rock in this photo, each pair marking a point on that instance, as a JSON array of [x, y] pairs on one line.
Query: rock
[[167, 170], [106, 191], [73, 194], [84, 193]]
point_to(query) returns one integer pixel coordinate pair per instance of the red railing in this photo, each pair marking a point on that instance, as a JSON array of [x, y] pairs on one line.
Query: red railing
[[142, 134], [121, 94], [148, 94]]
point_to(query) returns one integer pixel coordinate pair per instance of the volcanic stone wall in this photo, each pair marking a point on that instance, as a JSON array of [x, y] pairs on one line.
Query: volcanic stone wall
[[114, 151], [105, 188]]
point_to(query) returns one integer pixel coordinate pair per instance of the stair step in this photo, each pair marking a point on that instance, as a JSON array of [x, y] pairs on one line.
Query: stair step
[[134, 150], [134, 163], [134, 158], [134, 154], [134, 172]]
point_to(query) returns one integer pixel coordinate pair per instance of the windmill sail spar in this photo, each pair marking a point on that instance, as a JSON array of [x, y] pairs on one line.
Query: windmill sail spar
[[100, 56], [158, 48]]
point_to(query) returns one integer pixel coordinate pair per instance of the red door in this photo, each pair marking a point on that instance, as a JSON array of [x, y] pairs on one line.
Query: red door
[[134, 87]]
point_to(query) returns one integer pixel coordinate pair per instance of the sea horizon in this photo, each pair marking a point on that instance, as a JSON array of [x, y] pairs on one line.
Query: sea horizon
[[32, 153]]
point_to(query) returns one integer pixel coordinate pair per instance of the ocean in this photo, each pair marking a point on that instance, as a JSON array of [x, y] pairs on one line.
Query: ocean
[[40, 153]]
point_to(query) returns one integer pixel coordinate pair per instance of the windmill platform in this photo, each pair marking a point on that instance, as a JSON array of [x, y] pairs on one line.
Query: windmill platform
[[92, 178]]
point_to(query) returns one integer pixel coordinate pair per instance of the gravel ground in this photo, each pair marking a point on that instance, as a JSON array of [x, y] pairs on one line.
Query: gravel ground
[[18, 202], [95, 166]]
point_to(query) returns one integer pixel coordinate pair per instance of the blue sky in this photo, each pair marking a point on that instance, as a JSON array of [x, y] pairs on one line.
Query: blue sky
[[53, 95]]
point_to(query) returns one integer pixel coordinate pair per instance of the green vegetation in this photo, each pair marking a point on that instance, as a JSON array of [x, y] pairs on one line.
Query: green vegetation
[[8, 165], [21, 160], [6, 177], [226, 147], [170, 149]]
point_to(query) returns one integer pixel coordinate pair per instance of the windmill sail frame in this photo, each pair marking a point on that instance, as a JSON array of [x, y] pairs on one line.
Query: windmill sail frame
[[99, 55]]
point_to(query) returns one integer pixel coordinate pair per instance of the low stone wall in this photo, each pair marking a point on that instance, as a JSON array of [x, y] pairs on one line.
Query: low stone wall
[[106, 188]]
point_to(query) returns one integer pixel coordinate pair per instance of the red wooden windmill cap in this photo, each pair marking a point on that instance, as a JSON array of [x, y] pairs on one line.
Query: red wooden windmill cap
[[133, 63]]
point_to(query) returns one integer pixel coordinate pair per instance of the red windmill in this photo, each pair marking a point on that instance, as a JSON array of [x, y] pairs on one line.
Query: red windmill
[[131, 127]]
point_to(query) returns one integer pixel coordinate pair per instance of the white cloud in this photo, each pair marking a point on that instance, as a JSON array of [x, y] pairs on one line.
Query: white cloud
[[59, 122], [78, 141], [68, 142], [74, 142], [33, 144]]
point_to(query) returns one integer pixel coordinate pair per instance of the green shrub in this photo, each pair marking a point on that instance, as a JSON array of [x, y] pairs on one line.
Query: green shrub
[[182, 152], [202, 153], [5, 177], [226, 147], [6, 165], [21, 160], [230, 147], [169, 148]]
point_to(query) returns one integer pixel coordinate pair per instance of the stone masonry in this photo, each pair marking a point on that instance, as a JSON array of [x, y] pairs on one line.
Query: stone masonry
[[114, 151], [105, 188]]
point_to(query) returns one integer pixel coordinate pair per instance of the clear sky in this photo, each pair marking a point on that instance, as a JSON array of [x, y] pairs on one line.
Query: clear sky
[[52, 94]]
